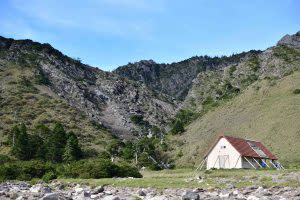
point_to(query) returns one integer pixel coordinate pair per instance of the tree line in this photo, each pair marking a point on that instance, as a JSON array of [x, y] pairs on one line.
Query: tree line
[[54, 145], [59, 146]]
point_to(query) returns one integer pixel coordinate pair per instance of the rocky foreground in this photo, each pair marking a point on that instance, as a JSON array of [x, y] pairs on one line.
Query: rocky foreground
[[62, 191]]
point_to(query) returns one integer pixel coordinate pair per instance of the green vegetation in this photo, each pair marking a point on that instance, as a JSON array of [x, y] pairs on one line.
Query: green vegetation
[[98, 169], [286, 53], [182, 119], [50, 145], [253, 62], [296, 91], [177, 127], [267, 115], [27, 99], [143, 152], [50, 153], [186, 178], [27, 170], [231, 70], [41, 78]]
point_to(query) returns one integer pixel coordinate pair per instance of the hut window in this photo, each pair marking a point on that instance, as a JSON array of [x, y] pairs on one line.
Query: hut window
[[223, 147]]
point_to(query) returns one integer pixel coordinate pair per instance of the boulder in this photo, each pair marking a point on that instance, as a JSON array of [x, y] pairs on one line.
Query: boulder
[[52, 196], [111, 197], [98, 190], [46, 190], [251, 197], [161, 197], [189, 195], [141, 192]]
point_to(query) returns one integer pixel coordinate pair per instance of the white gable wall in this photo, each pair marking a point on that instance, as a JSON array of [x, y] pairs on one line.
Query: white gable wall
[[220, 157]]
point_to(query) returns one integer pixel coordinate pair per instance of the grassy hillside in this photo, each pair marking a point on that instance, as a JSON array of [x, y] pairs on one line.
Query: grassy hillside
[[268, 111], [25, 99]]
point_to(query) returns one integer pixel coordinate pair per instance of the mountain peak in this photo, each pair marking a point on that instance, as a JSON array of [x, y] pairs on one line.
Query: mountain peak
[[292, 41]]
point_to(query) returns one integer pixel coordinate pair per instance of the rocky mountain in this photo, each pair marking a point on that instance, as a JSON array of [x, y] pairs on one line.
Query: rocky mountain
[[202, 79], [134, 98], [249, 95], [105, 98], [176, 79]]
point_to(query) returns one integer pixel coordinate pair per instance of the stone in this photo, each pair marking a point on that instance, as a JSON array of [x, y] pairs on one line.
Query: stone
[[225, 195], [161, 197], [51, 196], [199, 190], [94, 196], [141, 192], [13, 196], [230, 186], [251, 197], [46, 189], [189, 195], [24, 186], [111, 197], [35, 189], [78, 190], [98, 190]]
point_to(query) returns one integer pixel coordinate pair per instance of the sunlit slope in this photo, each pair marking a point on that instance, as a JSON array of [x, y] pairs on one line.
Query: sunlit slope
[[24, 100], [267, 111]]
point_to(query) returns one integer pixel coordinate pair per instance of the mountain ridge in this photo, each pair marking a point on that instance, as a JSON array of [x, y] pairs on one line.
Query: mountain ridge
[[137, 98]]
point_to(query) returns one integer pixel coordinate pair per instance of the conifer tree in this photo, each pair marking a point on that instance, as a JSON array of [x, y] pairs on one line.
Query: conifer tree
[[56, 144], [72, 150], [20, 148]]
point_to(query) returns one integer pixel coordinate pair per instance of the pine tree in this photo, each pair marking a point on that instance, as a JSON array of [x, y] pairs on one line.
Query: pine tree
[[36, 147], [56, 143], [42, 131], [72, 150], [20, 147]]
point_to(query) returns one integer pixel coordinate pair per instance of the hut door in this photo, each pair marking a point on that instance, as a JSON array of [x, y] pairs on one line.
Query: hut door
[[222, 160]]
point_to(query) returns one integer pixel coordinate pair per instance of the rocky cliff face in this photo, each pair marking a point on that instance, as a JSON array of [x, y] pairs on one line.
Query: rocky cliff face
[[199, 80], [104, 97], [225, 82], [148, 89], [175, 79]]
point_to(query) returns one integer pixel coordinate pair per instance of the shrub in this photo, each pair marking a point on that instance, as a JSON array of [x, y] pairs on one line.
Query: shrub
[[4, 159], [25, 170], [296, 91], [254, 63], [137, 119], [177, 127], [99, 168], [144, 161], [182, 119], [49, 176], [232, 69], [103, 155], [126, 170], [41, 78]]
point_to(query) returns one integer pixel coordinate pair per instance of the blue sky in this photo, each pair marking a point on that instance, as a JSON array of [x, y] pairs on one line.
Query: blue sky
[[110, 33]]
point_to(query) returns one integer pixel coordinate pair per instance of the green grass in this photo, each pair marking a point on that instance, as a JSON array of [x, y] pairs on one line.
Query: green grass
[[265, 112], [185, 178]]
